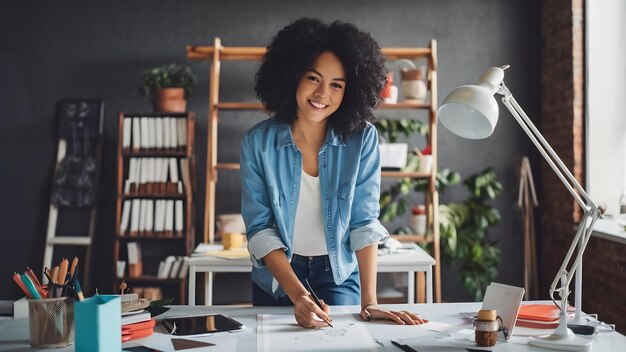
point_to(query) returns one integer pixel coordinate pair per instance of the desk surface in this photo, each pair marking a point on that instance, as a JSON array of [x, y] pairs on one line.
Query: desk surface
[[14, 333]]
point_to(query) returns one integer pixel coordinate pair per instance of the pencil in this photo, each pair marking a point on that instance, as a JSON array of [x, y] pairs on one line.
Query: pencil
[[62, 276], [73, 267], [318, 302], [78, 290], [18, 281]]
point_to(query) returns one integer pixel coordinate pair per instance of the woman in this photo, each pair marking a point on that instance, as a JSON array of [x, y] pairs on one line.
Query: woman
[[311, 173]]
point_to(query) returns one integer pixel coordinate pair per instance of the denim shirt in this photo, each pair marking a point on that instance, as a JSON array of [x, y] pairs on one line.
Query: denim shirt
[[271, 167]]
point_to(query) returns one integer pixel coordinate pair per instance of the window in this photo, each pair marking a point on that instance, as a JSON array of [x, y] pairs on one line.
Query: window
[[605, 93]]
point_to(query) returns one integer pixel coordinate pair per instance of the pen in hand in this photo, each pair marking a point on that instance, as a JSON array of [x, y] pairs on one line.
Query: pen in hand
[[318, 302]]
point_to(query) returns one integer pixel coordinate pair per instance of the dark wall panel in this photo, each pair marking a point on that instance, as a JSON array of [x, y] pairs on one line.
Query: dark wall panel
[[76, 49]]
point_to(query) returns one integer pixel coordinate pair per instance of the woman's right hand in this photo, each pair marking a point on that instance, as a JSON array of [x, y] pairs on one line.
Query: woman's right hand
[[308, 314]]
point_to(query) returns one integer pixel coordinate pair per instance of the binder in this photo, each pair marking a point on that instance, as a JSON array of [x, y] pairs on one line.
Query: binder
[[126, 133], [136, 131]]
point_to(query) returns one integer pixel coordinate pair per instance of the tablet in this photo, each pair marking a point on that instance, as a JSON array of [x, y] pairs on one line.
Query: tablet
[[201, 324]]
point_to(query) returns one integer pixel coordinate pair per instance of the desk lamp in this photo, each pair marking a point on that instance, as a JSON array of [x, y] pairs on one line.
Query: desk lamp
[[471, 111]]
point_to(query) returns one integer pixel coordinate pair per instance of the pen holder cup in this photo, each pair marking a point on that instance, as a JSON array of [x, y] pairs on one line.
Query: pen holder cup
[[51, 322]]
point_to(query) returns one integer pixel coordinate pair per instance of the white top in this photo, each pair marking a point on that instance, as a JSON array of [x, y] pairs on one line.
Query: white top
[[308, 237]]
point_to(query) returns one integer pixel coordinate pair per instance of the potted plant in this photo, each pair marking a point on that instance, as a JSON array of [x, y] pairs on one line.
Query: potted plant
[[464, 232], [168, 87]]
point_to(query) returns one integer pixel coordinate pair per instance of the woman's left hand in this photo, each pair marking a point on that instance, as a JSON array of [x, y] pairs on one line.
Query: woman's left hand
[[402, 317]]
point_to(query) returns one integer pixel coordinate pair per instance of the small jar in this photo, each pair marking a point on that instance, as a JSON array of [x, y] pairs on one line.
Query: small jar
[[486, 328], [418, 220]]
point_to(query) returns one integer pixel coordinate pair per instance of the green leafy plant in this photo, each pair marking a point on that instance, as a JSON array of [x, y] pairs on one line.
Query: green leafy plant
[[464, 231], [167, 76], [389, 130]]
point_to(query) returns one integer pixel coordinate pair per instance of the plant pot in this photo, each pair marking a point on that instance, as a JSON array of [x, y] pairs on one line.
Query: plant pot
[[169, 100]]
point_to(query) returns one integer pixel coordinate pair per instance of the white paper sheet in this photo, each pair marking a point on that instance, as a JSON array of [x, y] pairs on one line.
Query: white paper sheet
[[163, 342], [278, 333]]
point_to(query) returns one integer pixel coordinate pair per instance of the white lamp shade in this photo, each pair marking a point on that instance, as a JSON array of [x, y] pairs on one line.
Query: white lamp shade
[[470, 112]]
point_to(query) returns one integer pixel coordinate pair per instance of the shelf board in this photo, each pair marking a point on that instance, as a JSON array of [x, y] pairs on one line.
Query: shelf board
[[401, 174], [258, 106], [227, 166], [150, 279], [153, 196], [413, 238], [205, 52], [154, 153], [149, 238], [397, 174]]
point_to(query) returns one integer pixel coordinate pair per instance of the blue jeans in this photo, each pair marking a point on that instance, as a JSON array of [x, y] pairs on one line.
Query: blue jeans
[[317, 271]]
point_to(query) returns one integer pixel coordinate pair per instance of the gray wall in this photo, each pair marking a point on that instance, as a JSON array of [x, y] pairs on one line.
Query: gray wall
[[76, 49]]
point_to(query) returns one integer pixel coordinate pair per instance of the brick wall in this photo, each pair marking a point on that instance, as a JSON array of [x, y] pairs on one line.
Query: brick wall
[[562, 124]]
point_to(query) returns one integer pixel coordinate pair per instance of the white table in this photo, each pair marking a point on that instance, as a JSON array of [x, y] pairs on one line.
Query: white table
[[14, 334], [411, 260]]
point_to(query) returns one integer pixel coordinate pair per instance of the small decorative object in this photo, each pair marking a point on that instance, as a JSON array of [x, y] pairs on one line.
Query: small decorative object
[[413, 85], [168, 87], [418, 220], [232, 240], [389, 92], [426, 160], [486, 328]]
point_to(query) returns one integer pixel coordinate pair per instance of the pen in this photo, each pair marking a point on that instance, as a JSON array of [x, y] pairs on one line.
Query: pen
[[404, 347], [318, 302], [32, 276]]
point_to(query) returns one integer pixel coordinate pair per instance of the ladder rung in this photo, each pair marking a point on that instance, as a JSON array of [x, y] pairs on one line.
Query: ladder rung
[[71, 240]]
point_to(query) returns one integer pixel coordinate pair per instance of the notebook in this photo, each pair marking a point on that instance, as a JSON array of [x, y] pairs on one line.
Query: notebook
[[506, 301]]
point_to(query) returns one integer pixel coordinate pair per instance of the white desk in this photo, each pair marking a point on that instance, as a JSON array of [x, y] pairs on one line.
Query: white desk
[[410, 261], [14, 334]]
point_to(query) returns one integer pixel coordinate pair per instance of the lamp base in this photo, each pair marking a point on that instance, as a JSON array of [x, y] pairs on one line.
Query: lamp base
[[562, 343]]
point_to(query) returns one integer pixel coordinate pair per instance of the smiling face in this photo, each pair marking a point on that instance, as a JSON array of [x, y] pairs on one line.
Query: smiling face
[[321, 89]]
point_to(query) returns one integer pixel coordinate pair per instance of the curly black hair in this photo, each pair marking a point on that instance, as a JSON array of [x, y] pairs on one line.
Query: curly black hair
[[294, 50]]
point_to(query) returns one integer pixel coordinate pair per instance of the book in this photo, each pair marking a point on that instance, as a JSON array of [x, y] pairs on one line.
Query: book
[[166, 132], [169, 217], [151, 133], [134, 218], [173, 133], [136, 317], [179, 223], [182, 132], [125, 216], [126, 133], [145, 133], [539, 316], [135, 266], [136, 131], [164, 273], [158, 131], [540, 312], [184, 268], [175, 268]]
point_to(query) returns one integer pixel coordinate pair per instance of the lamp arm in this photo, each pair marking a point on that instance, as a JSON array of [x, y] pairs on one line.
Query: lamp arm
[[591, 211]]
